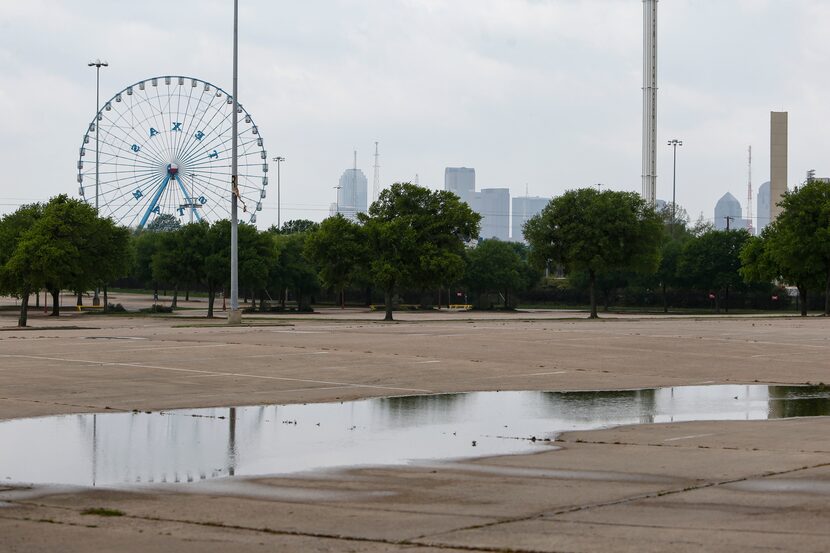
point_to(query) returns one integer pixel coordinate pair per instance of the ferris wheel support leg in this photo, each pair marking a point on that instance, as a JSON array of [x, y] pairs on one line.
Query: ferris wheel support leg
[[153, 203], [190, 199]]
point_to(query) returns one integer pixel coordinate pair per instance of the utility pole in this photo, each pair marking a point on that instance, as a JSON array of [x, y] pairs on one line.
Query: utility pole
[[235, 315], [674, 143], [97, 64], [728, 220], [278, 159]]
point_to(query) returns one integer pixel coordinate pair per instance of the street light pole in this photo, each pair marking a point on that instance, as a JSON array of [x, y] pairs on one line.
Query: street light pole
[[235, 315], [97, 64], [674, 143], [278, 159]]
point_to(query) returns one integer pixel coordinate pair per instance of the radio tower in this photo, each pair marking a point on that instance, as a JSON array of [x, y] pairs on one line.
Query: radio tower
[[377, 174], [750, 226]]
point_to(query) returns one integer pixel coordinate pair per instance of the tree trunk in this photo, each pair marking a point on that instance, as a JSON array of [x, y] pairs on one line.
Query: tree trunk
[[607, 297], [827, 296], [283, 298], [342, 297], [727, 298], [592, 278], [37, 299], [56, 303], [155, 294], [665, 300], [187, 293], [387, 295], [802, 295], [211, 298], [175, 303], [717, 302], [80, 300], [106, 299], [253, 301], [24, 309]]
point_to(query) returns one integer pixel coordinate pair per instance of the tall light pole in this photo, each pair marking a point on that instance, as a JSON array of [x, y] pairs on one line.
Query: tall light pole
[[235, 315], [674, 143], [278, 159], [97, 64]]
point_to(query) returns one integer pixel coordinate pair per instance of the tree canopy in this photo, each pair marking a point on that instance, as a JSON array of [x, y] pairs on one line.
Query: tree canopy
[[416, 237], [596, 232]]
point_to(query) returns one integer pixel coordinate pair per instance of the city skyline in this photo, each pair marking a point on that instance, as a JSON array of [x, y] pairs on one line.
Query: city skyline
[[511, 88]]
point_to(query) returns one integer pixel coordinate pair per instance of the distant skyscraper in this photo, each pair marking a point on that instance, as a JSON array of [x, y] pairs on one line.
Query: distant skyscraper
[[524, 208], [462, 182], [493, 204], [351, 196], [729, 206], [764, 211]]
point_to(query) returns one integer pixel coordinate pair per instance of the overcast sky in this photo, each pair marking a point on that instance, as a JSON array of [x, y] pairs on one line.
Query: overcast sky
[[538, 93]]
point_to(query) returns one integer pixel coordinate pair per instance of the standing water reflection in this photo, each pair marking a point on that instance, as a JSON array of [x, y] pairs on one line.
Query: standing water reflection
[[199, 444]]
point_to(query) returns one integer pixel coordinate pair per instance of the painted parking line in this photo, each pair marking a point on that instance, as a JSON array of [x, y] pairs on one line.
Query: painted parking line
[[216, 373], [689, 437]]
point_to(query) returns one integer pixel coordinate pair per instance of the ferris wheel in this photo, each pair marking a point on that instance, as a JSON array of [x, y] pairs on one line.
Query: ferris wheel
[[164, 147]]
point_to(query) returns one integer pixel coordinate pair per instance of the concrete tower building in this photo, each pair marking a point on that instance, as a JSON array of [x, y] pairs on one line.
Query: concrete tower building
[[351, 196], [525, 207], [649, 100], [493, 204], [763, 211], [462, 182], [777, 160]]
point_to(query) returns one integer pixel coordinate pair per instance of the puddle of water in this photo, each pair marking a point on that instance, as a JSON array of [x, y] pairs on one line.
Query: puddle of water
[[201, 444]]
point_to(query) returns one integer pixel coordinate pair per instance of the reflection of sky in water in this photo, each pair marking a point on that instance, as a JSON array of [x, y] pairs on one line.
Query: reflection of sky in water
[[198, 444]]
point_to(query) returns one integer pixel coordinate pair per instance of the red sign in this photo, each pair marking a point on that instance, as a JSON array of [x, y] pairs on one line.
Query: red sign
[[711, 296]]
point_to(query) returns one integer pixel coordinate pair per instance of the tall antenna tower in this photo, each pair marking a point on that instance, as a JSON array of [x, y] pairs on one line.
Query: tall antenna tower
[[750, 226], [650, 101], [376, 191]]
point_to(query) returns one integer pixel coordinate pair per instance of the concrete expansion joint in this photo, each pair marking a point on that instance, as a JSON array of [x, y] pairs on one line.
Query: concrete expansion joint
[[408, 542], [634, 498]]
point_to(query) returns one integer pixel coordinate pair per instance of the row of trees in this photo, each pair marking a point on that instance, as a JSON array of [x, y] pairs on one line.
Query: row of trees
[[421, 240], [59, 245]]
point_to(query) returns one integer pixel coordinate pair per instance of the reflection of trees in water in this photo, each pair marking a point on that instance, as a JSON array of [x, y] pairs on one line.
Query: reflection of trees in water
[[603, 406], [798, 401], [405, 410]]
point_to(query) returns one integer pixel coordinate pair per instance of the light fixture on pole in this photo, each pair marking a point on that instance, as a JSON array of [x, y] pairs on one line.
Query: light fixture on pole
[[674, 143], [97, 64], [278, 159], [235, 315], [337, 200]]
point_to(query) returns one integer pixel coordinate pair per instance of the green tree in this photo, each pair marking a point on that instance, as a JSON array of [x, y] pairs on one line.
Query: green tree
[[256, 255], [801, 242], [596, 232], [164, 222], [113, 253], [17, 278], [416, 237], [495, 266], [145, 246], [293, 270], [216, 272], [338, 249], [711, 262], [294, 226]]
